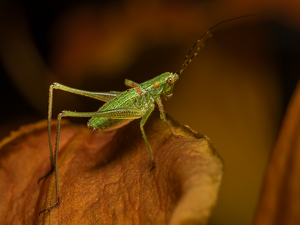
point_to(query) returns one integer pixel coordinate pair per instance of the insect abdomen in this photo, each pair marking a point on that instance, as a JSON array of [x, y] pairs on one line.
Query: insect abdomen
[[129, 99], [106, 124]]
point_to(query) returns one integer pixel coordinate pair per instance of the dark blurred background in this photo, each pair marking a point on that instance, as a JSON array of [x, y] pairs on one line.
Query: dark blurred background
[[235, 91]]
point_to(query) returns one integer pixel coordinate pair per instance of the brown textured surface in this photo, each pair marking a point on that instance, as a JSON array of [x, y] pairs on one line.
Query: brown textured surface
[[106, 179], [280, 199]]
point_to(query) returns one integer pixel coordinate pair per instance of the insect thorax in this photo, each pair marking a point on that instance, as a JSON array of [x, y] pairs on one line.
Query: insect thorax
[[134, 98]]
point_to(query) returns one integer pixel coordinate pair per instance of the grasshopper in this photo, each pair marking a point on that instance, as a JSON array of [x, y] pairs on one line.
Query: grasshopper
[[121, 108]]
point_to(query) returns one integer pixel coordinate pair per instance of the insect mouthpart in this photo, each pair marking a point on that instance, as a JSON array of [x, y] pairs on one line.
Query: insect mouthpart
[[168, 97]]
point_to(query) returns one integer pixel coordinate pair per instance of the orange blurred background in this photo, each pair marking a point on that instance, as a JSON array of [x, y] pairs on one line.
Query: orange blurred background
[[235, 91]]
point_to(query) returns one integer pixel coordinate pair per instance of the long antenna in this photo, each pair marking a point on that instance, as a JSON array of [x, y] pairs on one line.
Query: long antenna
[[205, 37]]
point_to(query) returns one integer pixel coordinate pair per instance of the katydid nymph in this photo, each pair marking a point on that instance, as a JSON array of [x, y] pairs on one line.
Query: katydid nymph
[[120, 108]]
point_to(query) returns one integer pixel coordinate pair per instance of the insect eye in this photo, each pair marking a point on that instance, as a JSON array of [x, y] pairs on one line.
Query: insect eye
[[170, 80]]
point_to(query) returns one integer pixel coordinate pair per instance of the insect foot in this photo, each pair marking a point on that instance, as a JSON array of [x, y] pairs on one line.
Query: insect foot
[[52, 169], [50, 207], [153, 167]]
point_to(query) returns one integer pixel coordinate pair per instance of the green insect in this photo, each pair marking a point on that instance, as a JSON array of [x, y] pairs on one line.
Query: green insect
[[120, 108]]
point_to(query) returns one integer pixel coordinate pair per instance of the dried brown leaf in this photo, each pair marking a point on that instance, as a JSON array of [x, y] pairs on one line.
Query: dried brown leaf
[[105, 178]]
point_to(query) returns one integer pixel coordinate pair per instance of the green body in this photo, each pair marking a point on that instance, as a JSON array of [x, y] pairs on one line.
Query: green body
[[140, 98]]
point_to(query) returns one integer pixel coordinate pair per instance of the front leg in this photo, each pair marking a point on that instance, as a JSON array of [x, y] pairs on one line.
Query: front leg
[[162, 112], [142, 123]]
